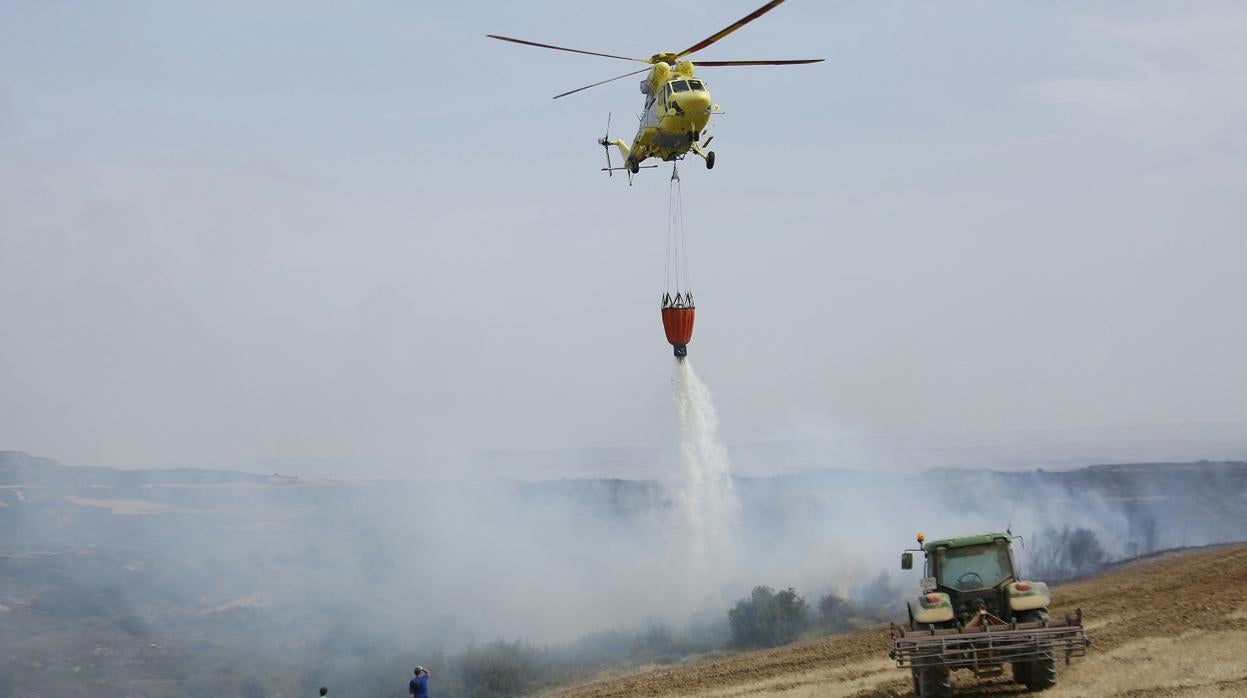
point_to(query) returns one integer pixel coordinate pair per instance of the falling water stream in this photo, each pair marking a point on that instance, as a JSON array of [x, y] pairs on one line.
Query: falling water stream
[[703, 486]]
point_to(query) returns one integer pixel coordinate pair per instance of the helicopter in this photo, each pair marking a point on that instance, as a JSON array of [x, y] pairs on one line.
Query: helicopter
[[677, 102]]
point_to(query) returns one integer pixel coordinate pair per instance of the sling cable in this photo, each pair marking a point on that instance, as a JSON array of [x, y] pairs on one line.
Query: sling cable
[[678, 309]]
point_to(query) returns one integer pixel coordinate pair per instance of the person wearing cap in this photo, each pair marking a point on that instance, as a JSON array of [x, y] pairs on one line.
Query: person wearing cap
[[419, 685]]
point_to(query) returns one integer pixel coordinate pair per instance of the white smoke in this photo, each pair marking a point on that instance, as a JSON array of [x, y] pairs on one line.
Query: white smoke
[[702, 489]]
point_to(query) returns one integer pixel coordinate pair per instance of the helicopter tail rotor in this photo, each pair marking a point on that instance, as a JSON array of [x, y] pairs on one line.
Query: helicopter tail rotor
[[605, 142]]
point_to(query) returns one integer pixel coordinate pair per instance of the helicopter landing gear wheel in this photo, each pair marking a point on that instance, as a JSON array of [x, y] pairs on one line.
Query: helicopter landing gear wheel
[[710, 160], [632, 165]]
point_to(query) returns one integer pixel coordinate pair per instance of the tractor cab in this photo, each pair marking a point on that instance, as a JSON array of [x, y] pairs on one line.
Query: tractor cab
[[974, 572], [966, 565]]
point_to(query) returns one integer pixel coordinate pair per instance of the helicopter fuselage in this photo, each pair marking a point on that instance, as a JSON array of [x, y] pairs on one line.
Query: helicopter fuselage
[[673, 120], [677, 109]]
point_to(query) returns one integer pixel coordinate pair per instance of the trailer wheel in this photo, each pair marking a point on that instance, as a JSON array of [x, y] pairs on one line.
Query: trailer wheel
[[1041, 674], [935, 682]]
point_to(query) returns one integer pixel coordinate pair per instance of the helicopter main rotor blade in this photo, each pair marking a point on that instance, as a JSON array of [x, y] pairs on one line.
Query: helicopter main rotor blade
[[561, 48], [730, 28], [617, 77], [721, 64]]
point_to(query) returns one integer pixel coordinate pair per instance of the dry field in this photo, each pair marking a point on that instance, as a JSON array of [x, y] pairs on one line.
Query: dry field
[[1174, 624]]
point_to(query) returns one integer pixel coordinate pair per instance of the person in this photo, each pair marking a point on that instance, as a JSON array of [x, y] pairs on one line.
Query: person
[[324, 691], [419, 685]]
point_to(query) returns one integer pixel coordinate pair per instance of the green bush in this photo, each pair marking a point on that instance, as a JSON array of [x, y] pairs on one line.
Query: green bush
[[768, 618]]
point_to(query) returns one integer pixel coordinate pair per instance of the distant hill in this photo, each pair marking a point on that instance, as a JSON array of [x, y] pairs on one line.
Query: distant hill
[[18, 468]]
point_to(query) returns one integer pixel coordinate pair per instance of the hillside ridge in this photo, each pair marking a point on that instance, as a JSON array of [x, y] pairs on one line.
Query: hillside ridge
[[1189, 604]]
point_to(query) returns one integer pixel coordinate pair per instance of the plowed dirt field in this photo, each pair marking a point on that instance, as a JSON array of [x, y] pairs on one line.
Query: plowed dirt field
[[1173, 624]]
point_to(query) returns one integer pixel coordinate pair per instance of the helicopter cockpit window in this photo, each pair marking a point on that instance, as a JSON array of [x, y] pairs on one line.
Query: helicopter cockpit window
[[695, 85], [680, 86]]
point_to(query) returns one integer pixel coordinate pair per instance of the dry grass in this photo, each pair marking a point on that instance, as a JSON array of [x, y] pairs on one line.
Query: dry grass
[[828, 682], [1170, 625], [1191, 664]]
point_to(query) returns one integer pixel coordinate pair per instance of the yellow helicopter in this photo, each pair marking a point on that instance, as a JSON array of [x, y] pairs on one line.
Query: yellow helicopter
[[677, 104]]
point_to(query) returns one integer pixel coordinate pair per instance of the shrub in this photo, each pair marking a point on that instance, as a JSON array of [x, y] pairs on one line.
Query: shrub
[[833, 612], [767, 618], [1066, 553], [881, 593], [658, 643], [502, 669]]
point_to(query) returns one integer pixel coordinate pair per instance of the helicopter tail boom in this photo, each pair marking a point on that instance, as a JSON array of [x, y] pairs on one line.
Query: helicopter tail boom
[[624, 150]]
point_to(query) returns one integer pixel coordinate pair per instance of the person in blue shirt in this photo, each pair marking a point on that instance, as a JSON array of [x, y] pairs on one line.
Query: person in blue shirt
[[419, 685]]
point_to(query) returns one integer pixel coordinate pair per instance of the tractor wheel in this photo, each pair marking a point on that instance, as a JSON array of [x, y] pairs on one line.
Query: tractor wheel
[[935, 682], [1041, 674], [710, 160], [1019, 672]]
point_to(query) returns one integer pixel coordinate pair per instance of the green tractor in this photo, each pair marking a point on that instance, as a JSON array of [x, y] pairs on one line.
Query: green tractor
[[977, 613]]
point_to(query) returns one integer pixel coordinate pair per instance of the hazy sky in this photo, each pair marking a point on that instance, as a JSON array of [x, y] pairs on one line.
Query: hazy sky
[[240, 231]]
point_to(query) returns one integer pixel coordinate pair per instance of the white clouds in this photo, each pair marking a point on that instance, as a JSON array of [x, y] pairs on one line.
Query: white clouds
[[1182, 84]]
